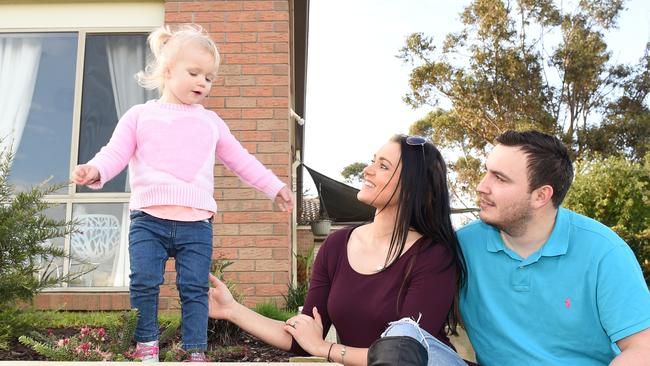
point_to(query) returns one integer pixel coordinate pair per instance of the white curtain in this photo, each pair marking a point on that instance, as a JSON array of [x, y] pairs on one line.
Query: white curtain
[[126, 56], [19, 61]]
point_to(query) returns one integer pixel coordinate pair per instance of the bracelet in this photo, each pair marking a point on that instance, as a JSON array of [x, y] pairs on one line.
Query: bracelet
[[343, 355], [328, 353]]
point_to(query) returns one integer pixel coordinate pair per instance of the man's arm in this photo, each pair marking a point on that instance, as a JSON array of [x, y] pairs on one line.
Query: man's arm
[[635, 350]]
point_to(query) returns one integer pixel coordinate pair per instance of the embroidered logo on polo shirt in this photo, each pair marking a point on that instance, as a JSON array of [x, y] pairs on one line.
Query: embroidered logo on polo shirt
[[567, 303]]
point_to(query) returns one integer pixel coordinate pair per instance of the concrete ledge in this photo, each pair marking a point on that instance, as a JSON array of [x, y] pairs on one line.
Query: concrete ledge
[[97, 363]]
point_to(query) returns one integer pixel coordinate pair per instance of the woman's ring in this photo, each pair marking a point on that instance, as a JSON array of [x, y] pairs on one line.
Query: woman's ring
[[293, 324]]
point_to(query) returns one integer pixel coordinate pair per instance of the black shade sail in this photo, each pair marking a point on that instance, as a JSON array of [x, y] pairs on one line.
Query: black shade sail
[[339, 200]]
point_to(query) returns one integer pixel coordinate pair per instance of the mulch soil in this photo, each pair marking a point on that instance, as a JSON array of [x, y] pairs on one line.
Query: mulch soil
[[250, 350]]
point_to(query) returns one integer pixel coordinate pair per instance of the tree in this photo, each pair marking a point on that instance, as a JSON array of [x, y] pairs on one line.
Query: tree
[[499, 73], [353, 173], [25, 232], [597, 192], [626, 129]]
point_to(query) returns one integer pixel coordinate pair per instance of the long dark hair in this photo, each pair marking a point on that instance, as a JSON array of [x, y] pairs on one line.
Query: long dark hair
[[423, 204]]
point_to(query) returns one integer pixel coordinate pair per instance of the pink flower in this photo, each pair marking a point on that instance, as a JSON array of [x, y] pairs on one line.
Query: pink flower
[[84, 331]]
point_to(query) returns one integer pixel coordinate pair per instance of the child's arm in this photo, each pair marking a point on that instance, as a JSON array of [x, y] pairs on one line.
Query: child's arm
[[249, 169], [113, 157]]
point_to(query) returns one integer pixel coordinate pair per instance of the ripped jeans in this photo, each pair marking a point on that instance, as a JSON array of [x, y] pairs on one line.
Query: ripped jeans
[[439, 354]]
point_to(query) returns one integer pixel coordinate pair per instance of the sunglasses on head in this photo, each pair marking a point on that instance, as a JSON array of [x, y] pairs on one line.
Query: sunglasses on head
[[417, 141]]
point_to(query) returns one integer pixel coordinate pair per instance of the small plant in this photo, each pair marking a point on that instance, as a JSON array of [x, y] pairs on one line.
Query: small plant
[[271, 310], [222, 331], [88, 345], [17, 321], [304, 264], [113, 343], [170, 328], [295, 297]]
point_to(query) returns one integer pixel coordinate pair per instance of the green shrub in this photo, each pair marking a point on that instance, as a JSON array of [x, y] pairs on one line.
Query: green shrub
[[616, 192], [15, 321], [296, 295], [271, 310], [24, 231], [112, 343], [91, 344]]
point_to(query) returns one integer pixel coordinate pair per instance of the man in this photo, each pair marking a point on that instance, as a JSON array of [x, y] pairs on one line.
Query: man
[[547, 286]]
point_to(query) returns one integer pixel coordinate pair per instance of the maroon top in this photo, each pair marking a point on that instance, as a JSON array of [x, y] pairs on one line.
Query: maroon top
[[361, 305]]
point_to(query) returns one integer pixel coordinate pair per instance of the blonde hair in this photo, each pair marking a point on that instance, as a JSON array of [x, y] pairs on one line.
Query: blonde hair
[[165, 43]]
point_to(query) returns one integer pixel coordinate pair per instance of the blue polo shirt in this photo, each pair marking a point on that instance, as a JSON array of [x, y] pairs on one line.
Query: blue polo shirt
[[566, 304]]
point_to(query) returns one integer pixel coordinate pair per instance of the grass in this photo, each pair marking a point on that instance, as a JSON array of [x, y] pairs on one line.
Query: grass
[[271, 310], [70, 319]]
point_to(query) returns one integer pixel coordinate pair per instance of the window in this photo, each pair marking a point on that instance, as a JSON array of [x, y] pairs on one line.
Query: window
[[61, 94]]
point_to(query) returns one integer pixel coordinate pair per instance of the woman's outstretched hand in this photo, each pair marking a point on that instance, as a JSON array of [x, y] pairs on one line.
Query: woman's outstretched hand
[[308, 332], [220, 300], [285, 199]]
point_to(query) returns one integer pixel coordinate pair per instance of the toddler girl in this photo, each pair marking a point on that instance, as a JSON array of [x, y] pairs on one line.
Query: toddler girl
[[170, 146]]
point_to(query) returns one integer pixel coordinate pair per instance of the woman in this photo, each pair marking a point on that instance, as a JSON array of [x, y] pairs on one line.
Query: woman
[[395, 278]]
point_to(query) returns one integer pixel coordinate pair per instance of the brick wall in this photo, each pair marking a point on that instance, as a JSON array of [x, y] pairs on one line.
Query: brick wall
[[85, 301], [252, 96], [305, 239]]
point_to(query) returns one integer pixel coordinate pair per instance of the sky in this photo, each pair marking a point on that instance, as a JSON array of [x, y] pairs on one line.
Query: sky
[[355, 84]]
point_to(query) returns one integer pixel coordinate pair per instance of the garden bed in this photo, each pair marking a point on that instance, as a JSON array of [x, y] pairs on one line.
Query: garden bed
[[243, 349]]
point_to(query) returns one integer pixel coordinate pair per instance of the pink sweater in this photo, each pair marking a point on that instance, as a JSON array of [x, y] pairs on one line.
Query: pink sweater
[[170, 149]]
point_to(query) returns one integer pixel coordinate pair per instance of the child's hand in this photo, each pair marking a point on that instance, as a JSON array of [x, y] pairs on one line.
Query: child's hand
[[85, 174], [285, 199]]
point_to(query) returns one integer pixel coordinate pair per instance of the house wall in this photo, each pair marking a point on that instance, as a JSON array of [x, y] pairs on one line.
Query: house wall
[[252, 96]]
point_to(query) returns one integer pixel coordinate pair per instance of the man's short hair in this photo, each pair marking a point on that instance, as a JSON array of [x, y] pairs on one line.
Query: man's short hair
[[548, 161]]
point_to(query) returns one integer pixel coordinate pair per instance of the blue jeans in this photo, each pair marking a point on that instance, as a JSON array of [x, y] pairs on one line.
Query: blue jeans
[[151, 242], [439, 353]]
